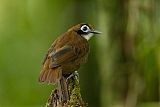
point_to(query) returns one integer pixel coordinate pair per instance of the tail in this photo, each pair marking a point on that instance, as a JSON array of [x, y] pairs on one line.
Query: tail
[[63, 89], [54, 76], [50, 76]]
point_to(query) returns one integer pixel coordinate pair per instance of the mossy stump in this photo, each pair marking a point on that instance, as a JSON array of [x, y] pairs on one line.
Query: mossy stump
[[75, 98]]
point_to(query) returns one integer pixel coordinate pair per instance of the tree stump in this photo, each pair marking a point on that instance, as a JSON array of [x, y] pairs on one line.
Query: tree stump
[[74, 94]]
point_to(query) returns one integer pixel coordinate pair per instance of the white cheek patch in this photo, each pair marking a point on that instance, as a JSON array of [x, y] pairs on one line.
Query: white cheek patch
[[88, 36]]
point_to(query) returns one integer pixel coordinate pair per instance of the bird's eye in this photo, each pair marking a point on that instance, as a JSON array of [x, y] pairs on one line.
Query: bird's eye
[[85, 28]]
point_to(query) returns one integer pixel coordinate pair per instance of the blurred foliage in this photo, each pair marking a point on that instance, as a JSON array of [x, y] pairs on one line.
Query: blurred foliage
[[123, 68]]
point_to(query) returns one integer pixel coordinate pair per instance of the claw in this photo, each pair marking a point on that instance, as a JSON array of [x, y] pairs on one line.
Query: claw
[[74, 74]]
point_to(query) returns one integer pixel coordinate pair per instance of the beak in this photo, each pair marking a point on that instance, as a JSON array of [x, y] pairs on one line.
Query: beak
[[95, 32]]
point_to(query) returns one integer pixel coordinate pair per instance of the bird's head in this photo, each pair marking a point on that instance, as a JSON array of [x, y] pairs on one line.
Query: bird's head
[[84, 30]]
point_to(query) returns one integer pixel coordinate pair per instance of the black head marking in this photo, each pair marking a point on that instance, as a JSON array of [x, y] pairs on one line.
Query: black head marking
[[84, 29]]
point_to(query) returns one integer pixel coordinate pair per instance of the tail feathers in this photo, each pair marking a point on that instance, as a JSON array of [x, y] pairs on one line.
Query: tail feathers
[[63, 89], [50, 76], [54, 76]]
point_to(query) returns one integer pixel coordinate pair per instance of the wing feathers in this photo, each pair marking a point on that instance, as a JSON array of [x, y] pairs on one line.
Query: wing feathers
[[63, 56], [61, 52]]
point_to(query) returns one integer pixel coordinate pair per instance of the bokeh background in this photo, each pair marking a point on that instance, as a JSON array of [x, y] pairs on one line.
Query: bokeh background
[[123, 69]]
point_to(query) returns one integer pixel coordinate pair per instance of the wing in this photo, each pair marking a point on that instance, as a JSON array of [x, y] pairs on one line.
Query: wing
[[63, 51], [64, 55]]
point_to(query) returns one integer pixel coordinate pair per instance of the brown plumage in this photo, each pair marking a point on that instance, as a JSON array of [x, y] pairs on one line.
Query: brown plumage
[[66, 54]]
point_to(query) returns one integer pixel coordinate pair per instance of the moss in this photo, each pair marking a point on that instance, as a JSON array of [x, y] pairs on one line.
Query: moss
[[75, 99], [75, 94]]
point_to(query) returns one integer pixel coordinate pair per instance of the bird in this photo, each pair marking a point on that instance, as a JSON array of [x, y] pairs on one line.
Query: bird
[[67, 53]]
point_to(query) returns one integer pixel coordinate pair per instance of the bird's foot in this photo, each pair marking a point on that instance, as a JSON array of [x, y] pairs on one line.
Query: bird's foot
[[74, 74]]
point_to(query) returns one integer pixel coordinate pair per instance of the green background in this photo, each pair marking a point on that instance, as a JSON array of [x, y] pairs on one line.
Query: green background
[[123, 67]]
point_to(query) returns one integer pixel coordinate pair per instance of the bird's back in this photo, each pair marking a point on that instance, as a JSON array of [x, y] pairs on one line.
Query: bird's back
[[74, 52]]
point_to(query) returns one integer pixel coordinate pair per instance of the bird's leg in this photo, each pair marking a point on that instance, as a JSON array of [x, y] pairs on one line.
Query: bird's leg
[[74, 74]]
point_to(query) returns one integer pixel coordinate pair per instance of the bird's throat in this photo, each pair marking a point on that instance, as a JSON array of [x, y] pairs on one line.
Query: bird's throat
[[88, 36]]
